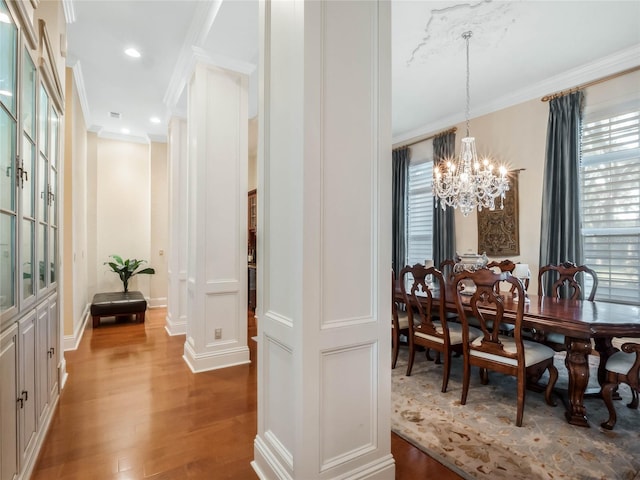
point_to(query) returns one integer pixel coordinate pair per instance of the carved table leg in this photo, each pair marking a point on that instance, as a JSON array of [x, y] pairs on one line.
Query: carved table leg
[[577, 363]]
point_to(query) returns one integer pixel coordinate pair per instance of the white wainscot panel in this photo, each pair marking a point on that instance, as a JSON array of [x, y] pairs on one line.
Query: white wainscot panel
[[349, 206], [221, 311], [348, 406], [278, 418]]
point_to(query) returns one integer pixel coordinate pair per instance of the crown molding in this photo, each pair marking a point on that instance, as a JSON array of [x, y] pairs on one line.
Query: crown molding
[[221, 61], [69, 11], [123, 138], [157, 138], [617, 62], [201, 24]]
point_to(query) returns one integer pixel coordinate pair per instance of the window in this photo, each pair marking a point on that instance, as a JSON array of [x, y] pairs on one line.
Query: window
[[610, 182], [420, 211]]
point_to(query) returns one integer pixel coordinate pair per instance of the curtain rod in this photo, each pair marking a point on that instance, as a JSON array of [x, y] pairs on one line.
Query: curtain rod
[[428, 137], [561, 93]]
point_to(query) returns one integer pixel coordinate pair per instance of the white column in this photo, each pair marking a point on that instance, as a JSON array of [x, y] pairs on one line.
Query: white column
[[324, 230], [176, 320], [217, 219]]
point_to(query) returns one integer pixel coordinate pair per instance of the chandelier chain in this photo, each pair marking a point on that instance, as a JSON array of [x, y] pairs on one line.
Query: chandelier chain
[[466, 36]]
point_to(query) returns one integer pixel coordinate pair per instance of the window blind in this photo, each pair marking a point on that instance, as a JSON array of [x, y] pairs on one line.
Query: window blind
[[420, 212], [610, 183]]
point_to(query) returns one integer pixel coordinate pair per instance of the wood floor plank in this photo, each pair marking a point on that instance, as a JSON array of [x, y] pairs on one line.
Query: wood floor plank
[[132, 409]]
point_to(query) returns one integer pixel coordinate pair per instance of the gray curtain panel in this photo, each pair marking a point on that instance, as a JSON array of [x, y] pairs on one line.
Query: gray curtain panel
[[560, 236], [444, 226], [399, 205]]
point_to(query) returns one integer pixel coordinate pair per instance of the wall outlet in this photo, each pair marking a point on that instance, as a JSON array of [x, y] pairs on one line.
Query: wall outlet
[[218, 333]]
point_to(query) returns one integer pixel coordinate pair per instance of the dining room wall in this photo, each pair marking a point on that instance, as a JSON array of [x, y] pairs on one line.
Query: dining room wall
[[516, 136]]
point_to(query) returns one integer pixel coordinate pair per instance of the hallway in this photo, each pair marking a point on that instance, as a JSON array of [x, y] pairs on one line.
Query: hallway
[[132, 409]]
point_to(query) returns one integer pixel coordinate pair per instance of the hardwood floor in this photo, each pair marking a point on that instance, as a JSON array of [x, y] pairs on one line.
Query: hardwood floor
[[132, 409]]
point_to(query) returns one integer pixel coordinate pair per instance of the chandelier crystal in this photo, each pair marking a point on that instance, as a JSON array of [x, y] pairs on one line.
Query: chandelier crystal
[[466, 182]]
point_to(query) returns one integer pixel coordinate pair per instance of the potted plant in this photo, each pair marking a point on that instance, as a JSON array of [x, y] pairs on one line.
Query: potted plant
[[128, 268]]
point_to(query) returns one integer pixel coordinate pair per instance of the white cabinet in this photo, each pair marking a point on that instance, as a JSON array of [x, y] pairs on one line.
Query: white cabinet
[[31, 109], [8, 404], [29, 373], [46, 356], [53, 342], [27, 413], [42, 329]]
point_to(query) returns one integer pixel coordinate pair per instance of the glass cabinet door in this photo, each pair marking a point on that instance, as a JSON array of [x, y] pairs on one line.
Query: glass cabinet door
[[29, 173], [43, 123], [42, 256], [8, 169], [8, 55], [27, 183], [7, 266], [28, 274], [43, 199]]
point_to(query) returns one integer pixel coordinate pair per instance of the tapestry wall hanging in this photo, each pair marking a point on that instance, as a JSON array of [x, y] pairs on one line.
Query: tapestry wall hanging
[[498, 230]]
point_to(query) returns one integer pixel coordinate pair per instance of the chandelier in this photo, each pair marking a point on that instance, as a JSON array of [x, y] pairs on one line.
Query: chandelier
[[465, 182]]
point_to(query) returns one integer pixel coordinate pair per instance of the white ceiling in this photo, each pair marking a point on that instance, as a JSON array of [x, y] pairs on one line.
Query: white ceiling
[[519, 50]]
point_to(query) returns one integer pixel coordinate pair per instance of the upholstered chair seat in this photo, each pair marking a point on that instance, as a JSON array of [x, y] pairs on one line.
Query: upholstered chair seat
[[622, 367], [455, 333]]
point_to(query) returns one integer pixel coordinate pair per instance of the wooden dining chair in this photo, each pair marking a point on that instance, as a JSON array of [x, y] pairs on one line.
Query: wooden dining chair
[[498, 266], [503, 265], [399, 321], [427, 330], [493, 351], [622, 367], [446, 267], [566, 284], [566, 278]]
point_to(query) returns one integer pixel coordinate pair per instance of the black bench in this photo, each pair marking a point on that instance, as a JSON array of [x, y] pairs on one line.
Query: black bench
[[114, 304]]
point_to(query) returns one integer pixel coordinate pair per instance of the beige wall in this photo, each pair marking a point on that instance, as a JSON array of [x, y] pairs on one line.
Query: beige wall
[[128, 213], [73, 234], [92, 214], [123, 203], [253, 154], [159, 223], [115, 202], [517, 137]]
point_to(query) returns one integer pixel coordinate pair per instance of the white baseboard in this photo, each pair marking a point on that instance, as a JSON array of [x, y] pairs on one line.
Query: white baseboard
[[63, 376], [175, 328], [71, 342], [159, 302], [213, 360]]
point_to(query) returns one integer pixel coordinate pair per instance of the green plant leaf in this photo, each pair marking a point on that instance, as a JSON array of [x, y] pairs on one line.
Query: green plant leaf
[[128, 268]]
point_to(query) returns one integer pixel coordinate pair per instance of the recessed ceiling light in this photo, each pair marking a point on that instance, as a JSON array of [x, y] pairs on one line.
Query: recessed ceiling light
[[126, 131], [4, 18], [132, 52], [154, 120], [6, 93]]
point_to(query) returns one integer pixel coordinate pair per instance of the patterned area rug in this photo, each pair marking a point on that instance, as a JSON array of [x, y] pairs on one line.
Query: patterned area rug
[[480, 439]]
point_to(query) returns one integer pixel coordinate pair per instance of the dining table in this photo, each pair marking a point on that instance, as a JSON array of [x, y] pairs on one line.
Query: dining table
[[584, 324]]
